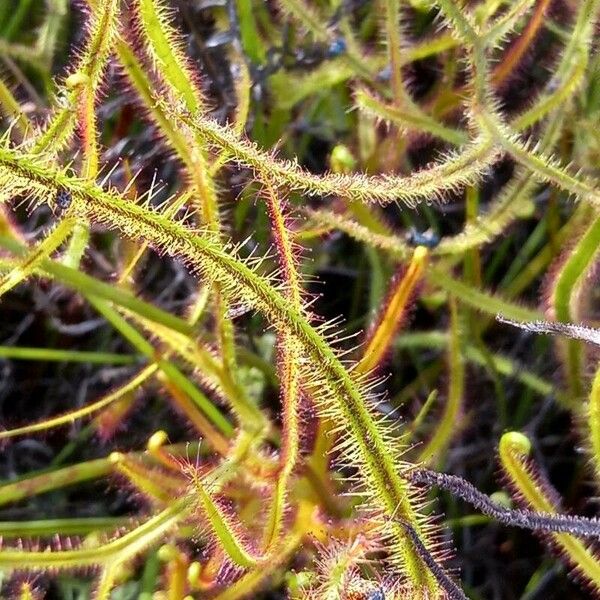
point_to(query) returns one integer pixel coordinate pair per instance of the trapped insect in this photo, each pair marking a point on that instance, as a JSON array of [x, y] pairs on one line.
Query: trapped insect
[[63, 199], [428, 238], [377, 594], [336, 48]]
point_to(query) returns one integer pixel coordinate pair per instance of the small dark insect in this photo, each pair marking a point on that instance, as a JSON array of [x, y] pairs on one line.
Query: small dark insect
[[385, 74], [336, 48], [63, 199], [377, 594], [428, 238]]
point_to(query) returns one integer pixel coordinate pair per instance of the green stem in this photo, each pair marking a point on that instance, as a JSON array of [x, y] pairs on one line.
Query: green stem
[[336, 390]]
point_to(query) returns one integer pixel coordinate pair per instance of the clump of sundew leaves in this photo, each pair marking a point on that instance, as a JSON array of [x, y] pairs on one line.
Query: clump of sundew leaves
[[193, 193]]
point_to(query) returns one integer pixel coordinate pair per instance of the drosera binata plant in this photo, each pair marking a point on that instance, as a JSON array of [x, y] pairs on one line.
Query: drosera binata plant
[[323, 491]]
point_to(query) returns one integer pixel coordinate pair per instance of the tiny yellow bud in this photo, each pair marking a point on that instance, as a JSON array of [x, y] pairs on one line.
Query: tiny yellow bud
[[514, 440], [77, 79], [193, 574], [420, 253], [342, 160], [116, 457], [502, 498], [167, 552], [156, 440]]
